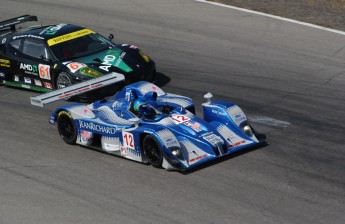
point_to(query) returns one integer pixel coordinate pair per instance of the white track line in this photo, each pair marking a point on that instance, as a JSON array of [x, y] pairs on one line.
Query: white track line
[[274, 17]]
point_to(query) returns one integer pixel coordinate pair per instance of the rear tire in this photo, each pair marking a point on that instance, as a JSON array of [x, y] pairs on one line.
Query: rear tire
[[153, 151], [66, 127]]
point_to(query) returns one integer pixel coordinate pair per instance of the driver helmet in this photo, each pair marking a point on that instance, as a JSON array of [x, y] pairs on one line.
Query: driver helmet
[[142, 107]]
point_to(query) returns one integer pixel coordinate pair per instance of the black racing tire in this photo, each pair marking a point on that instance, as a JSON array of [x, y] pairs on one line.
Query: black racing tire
[[153, 151], [66, 127], [62, 80]]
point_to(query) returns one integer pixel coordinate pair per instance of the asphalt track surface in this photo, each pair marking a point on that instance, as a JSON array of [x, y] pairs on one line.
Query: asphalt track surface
[[288, 78]]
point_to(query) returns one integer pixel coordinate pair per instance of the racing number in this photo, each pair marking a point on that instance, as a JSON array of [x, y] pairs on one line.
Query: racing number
[[128, 140], [180, 119], [44, 71], [74, 66]]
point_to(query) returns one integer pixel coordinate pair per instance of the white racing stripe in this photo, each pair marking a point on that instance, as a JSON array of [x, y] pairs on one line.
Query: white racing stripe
[[274, 17]]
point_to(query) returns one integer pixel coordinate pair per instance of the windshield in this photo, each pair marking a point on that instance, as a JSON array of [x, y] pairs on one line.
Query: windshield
[[80, 47]]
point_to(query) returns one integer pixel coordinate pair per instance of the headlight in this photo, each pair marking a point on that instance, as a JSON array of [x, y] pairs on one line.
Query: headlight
[[144, 56], [90, 72], [246, 129], [177, 152]]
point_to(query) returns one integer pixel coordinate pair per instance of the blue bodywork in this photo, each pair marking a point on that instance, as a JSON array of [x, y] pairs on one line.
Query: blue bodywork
[[186, 140]]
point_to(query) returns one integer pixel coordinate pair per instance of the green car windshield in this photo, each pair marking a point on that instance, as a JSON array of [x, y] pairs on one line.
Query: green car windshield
[[81, 47]]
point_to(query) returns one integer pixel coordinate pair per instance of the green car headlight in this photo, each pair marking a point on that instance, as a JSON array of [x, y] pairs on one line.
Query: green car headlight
[[90, 72], [144, 56]]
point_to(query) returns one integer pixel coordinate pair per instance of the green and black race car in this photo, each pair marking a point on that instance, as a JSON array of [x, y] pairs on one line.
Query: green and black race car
[[43, 58]]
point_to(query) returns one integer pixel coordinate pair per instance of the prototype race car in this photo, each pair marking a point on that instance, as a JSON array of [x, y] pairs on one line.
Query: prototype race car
[[145, 124], [43, 58]]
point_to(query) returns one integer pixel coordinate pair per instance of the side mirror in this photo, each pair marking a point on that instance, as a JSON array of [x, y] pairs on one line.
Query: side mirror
[[208, 97], [111, 37]]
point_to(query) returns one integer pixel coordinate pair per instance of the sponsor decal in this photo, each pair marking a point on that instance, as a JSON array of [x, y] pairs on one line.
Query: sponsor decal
[[27, 35], [213, 139], [5, 63], [123, 151], [69, 36], [114, 58], [128, 140], [26, 86], [198, 158], [44, 71], [128, 95], [85, 136], [239, 118], [178, 119], [37, 82], [237, 143], [120, 59], [29, 69], [170, 142], [16, 78], [48, 85], [3, 41], [96, 127], [66, 95], [107, 62], [85, 110], [75, 66], [51, 30], [133, 47], [27, 80], [195, 126], [124, 45], [2, 75]]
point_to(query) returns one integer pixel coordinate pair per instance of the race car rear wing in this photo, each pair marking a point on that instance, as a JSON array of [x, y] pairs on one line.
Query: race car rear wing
[[77, 89], [10, 24]]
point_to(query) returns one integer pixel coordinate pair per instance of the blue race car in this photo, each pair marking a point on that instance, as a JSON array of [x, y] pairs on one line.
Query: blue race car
[[145, 124]]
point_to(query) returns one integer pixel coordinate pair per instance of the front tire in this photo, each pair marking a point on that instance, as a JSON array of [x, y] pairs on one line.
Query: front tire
[[63, 80], [66, 127], [153, 151]]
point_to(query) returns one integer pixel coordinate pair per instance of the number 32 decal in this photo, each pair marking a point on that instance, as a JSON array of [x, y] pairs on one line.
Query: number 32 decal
[[128, 140]]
